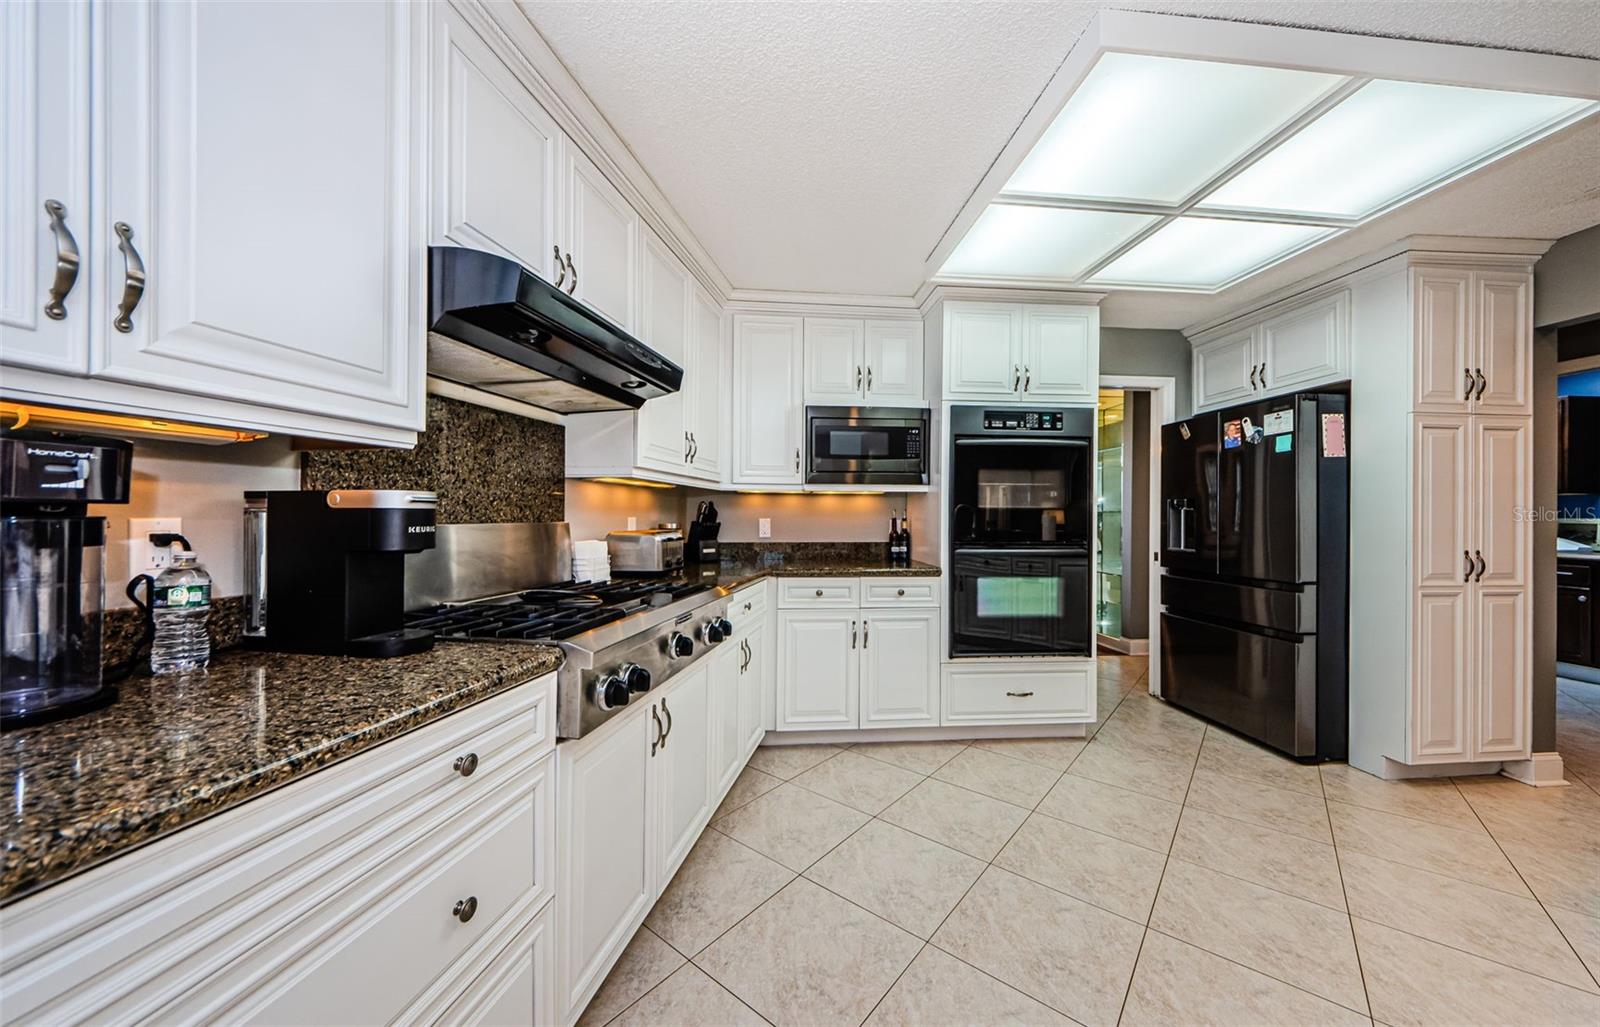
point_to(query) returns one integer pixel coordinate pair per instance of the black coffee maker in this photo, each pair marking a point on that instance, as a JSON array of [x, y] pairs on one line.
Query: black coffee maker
[[335, 570], [52, 556]]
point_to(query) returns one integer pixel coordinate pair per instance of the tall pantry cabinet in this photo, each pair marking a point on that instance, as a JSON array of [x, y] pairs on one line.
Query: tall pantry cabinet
[[1441, 442]]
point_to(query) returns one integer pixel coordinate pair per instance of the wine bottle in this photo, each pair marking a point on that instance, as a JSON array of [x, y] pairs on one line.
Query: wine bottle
[[905, 541], [892, 551]]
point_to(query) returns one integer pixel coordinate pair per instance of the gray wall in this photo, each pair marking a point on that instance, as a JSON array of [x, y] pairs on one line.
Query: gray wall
[[1566, 281], [1152, 351], [1136, 570]]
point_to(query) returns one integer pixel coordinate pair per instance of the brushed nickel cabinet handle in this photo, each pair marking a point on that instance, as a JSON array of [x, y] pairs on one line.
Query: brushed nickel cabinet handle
[[1263, 375], [852, 634], [1016, 377], [1483, 383], [858, 378], [869, 378], [797, 461], [1466, 575], [465, 765], [1253, 369], [668, 714], [1483, 564], [572, 269], [1027, 378], [561, 269], [133, 288], [67, 261], [655, 742], [1466, 392], [866, 633], [1019, 695], [465, 908]]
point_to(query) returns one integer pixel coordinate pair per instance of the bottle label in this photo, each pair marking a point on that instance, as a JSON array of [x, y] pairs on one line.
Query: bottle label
[[181, 596]]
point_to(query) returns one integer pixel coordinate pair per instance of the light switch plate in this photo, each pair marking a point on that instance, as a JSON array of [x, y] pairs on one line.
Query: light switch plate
[[764, 527], [633, 523], [143, 556]]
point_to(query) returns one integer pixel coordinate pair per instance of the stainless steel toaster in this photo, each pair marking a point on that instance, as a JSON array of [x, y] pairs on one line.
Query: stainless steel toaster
[[645, 551]]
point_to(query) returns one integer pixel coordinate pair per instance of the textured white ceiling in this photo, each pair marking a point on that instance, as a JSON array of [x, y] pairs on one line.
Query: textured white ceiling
[[825, 146]]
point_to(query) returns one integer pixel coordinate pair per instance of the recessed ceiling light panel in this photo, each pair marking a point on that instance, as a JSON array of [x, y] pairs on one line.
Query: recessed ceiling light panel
[[1041, 242], [1206, 253], [1388, 141], [1155, 129]]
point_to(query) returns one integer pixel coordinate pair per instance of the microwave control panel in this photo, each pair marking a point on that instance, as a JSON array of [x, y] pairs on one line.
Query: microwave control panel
[[1023, 420]]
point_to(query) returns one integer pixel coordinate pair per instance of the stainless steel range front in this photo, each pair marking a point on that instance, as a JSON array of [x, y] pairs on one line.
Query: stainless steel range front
[[513, 582]]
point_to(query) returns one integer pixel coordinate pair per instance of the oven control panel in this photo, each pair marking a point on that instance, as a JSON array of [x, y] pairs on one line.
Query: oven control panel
[[1023, 420]]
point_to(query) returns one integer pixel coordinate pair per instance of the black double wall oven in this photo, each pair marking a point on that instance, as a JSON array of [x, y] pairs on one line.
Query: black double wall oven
[[1021, 513]]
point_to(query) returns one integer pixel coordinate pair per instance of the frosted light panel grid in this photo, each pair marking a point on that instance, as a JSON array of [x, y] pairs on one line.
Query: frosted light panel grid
[[1156, 129], [1041, 242], [1206, 253], [1386, 141]]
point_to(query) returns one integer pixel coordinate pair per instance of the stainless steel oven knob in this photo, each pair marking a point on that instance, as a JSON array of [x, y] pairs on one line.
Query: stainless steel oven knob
[[711, 632], [610, 692], [725, 625], [679, 645], [635, 677]]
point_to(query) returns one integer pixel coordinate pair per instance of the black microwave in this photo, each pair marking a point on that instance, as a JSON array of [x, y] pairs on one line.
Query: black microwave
[[866, 446]]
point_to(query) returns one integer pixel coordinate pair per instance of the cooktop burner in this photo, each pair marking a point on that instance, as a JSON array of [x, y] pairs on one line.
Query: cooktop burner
[[551, 613]]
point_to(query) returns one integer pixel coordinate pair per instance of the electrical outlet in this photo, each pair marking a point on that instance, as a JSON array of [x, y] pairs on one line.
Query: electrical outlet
[[633, 523], [144, 557], [764, 527]]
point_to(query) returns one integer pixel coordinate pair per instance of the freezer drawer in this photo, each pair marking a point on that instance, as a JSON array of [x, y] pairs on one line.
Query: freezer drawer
[[1262, 686], [1291, 609]]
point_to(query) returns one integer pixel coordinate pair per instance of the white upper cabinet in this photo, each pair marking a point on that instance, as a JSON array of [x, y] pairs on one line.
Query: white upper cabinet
[[1295, 345], [602, 240], [663, 422], [767, 400], [1473, 333], [708, 401], [44, 218], [1012, 351], [835, 363], [1504, 337], [894, 359], [981, 344], [1061, 353], [1442, 327], [497, 156]]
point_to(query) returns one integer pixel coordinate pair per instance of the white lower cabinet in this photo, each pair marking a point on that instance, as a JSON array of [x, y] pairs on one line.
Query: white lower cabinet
[[755, 682], [843, 664], [338, 898], [727, 742], [683, 768], [1011, 695], [517, 988]]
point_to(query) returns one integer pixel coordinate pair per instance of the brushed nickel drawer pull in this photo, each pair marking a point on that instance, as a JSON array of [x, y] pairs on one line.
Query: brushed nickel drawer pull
[[465, 765], [133, 287], [465, 908], [1019, 695], [819, 593], [900, 592], [67, 261]]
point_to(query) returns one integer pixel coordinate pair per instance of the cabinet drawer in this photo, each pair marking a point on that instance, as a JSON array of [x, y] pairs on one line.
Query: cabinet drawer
[[129, 940], [818, 593], [748, 606], [1572, 574], [480, 863], [881, 592], [992, 695]]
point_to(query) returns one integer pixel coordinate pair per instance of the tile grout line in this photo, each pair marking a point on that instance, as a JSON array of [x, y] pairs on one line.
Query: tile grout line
[[1516, 870], [1344, 891], [1127, 990]]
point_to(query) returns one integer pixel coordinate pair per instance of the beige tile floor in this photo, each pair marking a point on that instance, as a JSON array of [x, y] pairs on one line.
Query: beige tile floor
[[1164, 872]]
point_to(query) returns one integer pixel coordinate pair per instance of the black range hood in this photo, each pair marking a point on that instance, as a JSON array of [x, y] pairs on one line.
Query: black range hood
[[496, 326]]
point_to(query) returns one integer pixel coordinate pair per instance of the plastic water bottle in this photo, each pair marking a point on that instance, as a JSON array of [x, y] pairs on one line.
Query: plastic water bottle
[[181, 605]]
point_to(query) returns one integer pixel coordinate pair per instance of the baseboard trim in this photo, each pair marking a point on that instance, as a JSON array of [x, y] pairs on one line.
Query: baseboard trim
[[1125, 646], [847, 736], [1543, 770]]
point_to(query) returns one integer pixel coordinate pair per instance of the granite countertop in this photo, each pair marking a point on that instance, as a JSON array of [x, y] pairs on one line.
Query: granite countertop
[[744, 562], [1586, 555], [173, 750]]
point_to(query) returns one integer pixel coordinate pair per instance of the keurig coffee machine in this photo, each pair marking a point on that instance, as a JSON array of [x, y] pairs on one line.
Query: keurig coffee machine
[[52, 554], [335, 570]]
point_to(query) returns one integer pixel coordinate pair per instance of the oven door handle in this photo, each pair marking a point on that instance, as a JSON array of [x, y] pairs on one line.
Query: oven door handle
[[1023, 440], [961, 550]]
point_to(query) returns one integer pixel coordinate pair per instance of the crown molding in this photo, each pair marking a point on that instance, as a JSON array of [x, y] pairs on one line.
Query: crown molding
[[936, 292], [511, 33]]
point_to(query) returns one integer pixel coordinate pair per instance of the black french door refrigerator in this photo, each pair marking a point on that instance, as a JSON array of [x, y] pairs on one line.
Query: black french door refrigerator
[[1255, 570]]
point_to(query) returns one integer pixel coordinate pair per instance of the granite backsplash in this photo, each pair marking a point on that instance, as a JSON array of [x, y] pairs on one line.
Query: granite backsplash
[[777, 553], [487, 466]]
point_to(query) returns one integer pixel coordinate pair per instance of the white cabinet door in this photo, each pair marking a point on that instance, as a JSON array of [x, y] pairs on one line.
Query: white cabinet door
[[1502, 472], [607, 850], [602, 238], [663, 428], [1308, 346], [277, 208], [1502, 626], [1441, 450], [708, 398], [1441, 331], [1441, 676], [1503, 337], [497, 156], [982, 350], [767, 400], [518, 987], [894, 363], [755, 681], [727, 731], [44, 209], [683, 769], [818, 669], [1225, 370], [1061, 353], [900, 668], [835, 361]]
